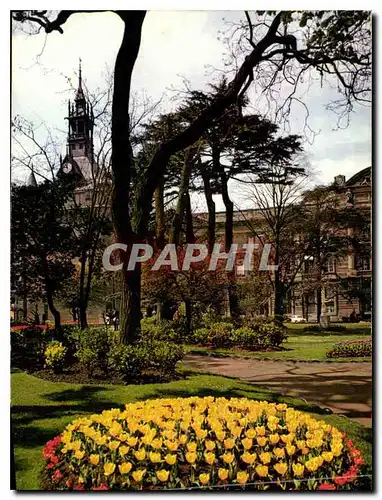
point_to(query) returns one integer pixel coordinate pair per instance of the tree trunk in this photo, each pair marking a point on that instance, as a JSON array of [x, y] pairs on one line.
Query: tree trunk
[[130, 319], [319, 303], [229, 210], [83, 316], [190, 236], [159, 215], [211, 211], [122, 163], [176, 225], [279, 285]]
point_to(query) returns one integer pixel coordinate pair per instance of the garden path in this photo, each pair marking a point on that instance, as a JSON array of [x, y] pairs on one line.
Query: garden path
[[345, 388]]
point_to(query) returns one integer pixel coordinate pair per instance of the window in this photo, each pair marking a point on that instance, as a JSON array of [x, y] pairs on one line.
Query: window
[[330, 307], [332, 265], [308, 264], [80, 146], [362, 263]]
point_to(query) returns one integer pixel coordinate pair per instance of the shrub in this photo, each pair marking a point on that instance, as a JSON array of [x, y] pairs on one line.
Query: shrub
[[201, 442], [93, 347], [272, 334], [201, 336], [154, 356], [164, 330], [27, 346], [220, 334], [246, 338], [54, 355], [351, 348]]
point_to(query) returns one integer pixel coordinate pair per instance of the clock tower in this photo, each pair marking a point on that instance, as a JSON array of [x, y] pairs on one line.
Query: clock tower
[[79, 150]]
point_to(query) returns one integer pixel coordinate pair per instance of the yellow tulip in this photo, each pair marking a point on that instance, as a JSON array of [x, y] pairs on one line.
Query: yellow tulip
[[262, 470], [170, 458], [247, 443], [229, 444], [108, 469], [281, 468], [94, 459], [162, 475], [223, 474], [242, 477], [327, 456], [261, 441], [132, 441], [138, 475], [279, 452], [183, 438], [155, 457], [274, 438], [228, 458], [209, 458], [201, 433], [248, 458], [260, 431], [191, 457], [209, 445], [140, 454], [79, 454], [220, 435], [191, 446], [125, 468], [250, 433], [124, 449], [290, 449], [298, 469], [265, 457], [204, 478], [171, 445], [113, 445], [157, 443]]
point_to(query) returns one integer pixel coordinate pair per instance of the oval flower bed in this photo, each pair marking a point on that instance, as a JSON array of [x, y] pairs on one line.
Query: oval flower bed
[[351, 348], [202, 443]]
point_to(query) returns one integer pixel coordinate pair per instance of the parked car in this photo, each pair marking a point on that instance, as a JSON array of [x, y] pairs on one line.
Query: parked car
[[295, 318]]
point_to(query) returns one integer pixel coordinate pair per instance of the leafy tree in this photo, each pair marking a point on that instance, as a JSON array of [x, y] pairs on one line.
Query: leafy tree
[[42, 241]]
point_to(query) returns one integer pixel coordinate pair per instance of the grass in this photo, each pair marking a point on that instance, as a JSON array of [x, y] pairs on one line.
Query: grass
[[301, 346], [41, 409]]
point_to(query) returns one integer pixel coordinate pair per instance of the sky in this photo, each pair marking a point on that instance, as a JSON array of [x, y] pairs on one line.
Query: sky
[[175, 45]]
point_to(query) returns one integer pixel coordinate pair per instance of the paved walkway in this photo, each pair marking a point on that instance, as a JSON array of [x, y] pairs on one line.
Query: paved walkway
[[345, 388]]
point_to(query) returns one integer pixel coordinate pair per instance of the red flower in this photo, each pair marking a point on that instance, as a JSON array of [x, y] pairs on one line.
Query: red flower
[[359, 461], [326, 486], [100, 488], [49, 466], [54, 460], [79, 487], [57, 475], [341, 480]]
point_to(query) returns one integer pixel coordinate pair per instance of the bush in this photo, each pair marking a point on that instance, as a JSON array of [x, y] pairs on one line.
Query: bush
[[201, 336], [201, 442], [93, 347], [154, 356], [272, 334], [27, 347], [351, 348], [220, 334], [54, 355], [165, 330], [246, 338]]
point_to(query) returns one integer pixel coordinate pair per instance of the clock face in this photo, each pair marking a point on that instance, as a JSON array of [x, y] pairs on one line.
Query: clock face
[[67, 168]]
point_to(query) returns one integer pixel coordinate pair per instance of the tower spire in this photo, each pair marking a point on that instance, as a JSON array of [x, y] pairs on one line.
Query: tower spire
[[80, 74]]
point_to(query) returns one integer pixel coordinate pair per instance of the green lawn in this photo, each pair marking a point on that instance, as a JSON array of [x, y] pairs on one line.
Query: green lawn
[[41, 409], [302, 346]]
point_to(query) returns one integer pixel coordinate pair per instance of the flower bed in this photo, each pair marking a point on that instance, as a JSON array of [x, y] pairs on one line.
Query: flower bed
[[351, 348], [201, 443]]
